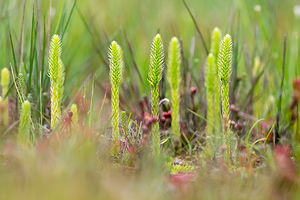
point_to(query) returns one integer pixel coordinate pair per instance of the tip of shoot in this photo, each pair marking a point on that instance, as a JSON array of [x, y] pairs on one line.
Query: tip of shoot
[[5, 77], [157, 37], [114, 45], [216, 30], [55, 37], [26, 106], [227, 37], [174, 40]]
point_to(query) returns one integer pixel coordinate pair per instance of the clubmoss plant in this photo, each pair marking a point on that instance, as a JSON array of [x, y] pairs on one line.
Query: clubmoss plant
[[216, 38], [116, 65], [57, 77], [224, 64], [5, 78], [74, 111], [174, 62], [154, 76], [24, 127], [211, 105]]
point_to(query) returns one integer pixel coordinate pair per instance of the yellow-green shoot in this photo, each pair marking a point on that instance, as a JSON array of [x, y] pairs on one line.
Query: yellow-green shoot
[[174, 78], [216, 38], [57, 77], [211, 103], [24, 127], [224, 64], [116, 66], [5, 78], [154, 76]]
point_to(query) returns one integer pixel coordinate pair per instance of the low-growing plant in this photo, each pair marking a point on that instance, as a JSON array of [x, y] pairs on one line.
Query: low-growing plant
[[180, 167], [174, 78], [57, 77], [154, 76], [224, 64], [24, 127], [5, 78], [116, 65]]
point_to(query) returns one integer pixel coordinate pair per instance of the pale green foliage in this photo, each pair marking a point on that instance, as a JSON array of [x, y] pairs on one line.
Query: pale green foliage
[[116, 65], [24, 127], [224, 64], [210, 88], [215, 46], [57, 77], [5, 78], [74, 111], [174, 78], [154, 77]]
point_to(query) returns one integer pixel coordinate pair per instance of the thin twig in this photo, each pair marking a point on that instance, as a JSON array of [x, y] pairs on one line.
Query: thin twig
[[196, 26]]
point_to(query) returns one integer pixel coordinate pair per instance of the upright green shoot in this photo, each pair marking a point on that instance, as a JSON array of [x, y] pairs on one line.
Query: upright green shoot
[[154, 76], [174, 78], [57, 77], [224, 64], [211, 103], [116, 66], [24, 127], [216, 38], [5, 78]]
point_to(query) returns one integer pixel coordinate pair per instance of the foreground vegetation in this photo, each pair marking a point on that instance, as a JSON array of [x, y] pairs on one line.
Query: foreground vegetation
[[208, 110]]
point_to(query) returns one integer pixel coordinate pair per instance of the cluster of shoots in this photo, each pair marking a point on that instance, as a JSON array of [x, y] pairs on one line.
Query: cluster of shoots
[[57, 77], [218, 71]]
